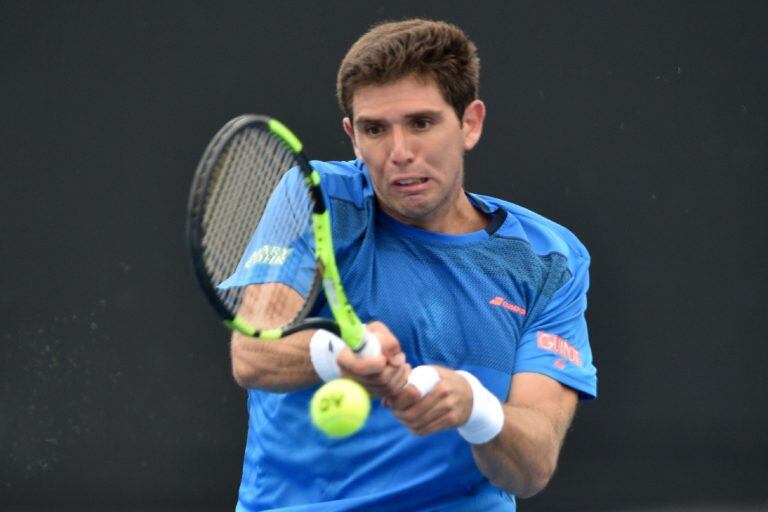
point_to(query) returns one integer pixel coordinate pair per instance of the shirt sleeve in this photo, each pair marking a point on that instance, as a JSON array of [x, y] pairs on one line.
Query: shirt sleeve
[[281, 250], [556, 344]]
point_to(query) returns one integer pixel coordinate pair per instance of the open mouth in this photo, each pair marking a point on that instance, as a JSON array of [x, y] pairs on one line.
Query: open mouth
[[409, 182]]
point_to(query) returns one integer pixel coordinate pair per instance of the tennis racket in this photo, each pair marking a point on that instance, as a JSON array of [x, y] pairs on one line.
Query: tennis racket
[[259, 236]]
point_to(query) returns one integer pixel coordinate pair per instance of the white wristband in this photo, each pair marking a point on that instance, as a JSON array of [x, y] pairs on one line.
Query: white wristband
[[487, 417], [324, 348]]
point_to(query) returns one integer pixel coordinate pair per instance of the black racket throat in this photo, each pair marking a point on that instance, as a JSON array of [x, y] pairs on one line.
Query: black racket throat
[[313, 323]]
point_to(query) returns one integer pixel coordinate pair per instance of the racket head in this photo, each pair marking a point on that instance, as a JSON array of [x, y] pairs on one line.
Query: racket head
[[249, 163]]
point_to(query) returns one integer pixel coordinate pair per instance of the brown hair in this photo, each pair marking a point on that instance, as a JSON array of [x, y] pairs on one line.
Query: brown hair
[[429, 49]]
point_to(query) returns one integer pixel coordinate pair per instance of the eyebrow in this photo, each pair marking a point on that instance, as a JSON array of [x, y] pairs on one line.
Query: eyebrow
[[436, 114]]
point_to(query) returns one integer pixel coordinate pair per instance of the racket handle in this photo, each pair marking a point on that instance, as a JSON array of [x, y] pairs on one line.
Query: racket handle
[[424, 378], [370, 346]]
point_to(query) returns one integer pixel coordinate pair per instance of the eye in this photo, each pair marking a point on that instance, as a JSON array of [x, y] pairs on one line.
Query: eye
[[422, 123], [373, 130]]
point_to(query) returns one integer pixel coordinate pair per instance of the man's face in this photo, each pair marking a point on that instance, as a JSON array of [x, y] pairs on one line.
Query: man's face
[[413, 144]]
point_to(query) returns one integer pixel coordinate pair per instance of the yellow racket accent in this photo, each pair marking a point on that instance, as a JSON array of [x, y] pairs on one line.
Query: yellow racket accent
[[239, 324], [286, 134], [350, 327]]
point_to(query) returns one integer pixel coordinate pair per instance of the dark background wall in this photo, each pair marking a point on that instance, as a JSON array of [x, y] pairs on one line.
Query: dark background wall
[[639, 125]]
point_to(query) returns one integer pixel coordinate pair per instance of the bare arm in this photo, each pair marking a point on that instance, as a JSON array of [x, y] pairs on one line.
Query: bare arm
[[522, 458], [285, 365], [281, 365]]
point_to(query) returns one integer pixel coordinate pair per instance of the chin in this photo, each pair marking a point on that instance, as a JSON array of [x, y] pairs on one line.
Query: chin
[[410, 212], [413, 214]]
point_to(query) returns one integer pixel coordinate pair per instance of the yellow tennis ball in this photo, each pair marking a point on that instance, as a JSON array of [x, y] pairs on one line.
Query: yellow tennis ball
[[340, 407]]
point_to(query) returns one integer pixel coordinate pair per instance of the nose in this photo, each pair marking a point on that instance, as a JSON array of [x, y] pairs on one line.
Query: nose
[[401, 152]]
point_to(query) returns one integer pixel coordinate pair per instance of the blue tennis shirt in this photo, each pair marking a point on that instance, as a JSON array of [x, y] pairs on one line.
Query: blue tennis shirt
[[506, 299]]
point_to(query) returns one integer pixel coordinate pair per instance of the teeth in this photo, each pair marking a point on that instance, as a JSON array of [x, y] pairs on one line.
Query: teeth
[[410, 182]]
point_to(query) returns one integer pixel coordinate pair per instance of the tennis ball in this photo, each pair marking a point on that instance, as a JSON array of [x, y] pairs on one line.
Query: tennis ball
[[340, 407]]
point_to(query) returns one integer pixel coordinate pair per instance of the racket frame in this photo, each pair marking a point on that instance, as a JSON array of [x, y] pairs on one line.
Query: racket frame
[[347, 324]]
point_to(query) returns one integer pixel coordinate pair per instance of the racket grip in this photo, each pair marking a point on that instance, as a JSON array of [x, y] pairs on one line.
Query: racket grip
[[424, 378], [371, 345]]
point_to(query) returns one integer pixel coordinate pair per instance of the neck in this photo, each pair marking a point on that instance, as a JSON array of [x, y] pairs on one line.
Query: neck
[[457, 217]]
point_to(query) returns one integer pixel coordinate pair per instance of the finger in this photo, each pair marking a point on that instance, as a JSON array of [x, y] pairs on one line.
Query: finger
[[373, 381], [422, 379], [438, 424], [428, 416], [389, 344], [397, 360], [378, 327], [404, 399], [390, 381], [440, 410], [418, 413], [437, 411], [399, 378], [355, 365], [387, 382]]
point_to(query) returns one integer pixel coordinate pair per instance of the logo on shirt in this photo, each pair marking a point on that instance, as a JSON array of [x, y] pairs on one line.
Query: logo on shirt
[[559, 346], [268, 255], [499, 301]]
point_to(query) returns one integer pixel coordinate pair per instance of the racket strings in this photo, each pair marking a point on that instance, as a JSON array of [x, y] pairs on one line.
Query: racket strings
[[245, 191], [227, 220]]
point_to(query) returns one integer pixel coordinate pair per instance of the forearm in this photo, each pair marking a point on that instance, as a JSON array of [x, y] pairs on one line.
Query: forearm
[[522, 458], [281, 365]]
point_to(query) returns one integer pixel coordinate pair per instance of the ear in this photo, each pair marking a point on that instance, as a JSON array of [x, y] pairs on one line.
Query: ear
[[351, 133], [472, 124]]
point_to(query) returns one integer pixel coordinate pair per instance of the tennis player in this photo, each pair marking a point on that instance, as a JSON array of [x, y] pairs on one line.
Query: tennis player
[[484, 297]]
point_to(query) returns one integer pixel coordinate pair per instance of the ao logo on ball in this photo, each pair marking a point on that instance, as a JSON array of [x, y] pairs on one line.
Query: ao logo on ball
[[340, 407]]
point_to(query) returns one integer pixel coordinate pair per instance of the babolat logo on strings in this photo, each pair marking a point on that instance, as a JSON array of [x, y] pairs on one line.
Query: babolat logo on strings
[[268, 255]]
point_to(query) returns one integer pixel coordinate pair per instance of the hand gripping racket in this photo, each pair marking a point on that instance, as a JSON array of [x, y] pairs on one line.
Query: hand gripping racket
[[259, 235]]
